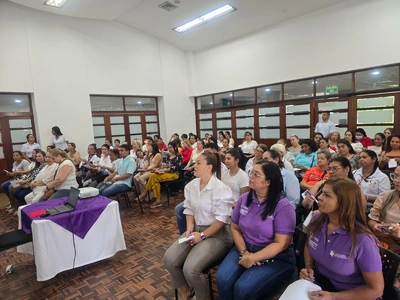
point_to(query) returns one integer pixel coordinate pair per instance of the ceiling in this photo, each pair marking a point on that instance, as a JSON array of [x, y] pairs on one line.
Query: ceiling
[[146, 16]]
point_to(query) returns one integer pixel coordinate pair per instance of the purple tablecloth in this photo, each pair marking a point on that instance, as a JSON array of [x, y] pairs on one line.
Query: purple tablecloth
[[78, 221]]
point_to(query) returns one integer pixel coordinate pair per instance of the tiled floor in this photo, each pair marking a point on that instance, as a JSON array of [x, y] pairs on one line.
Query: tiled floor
[[137, 273]]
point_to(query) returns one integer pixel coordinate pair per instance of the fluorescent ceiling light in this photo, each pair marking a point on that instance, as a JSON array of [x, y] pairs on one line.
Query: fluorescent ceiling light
[[139, 102], [267, 90], [376, 73], [211, 103], [18, 101], [55, 3], [226, 9], [230, 94]]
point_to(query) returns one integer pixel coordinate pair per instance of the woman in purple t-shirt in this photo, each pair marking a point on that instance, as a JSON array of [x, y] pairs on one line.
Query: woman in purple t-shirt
[[340, 248], [262, 226]]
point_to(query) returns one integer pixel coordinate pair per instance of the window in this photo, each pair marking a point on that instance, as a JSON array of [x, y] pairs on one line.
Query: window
[[223, 100], [99, 131], [205, 102], [298, 120], [269, 93], [244, 122], [119, 103], [374, 114], [339, 114], [244, 97], [269, 122], [19, 129], [137, 104], [380, 78], [206, 124], [224, 121], [298, 89], [14, 103], [333, 85], [100, 103], [151, 125]]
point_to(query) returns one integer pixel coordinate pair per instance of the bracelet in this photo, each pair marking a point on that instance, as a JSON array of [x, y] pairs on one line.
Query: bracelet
[[243, 251]]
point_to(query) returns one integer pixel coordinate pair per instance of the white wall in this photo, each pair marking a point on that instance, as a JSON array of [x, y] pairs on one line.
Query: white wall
[[62, 60], [350, 35]]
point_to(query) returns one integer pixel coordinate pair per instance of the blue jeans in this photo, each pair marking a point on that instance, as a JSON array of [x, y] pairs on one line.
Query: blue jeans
[[238, 283], [20, 194], [5, 186], [111, 189], [180, 218]]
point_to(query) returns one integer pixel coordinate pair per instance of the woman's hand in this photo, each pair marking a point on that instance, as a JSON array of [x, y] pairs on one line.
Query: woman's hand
[[247, 260], [395, 231], [197, 238], [309, 200], [307, 274], [321, 295]]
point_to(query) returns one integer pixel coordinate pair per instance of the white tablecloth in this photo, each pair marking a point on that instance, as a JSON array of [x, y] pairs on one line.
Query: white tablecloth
[[53, 245]]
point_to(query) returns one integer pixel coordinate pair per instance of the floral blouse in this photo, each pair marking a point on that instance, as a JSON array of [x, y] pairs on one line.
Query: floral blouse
[[174, 164]]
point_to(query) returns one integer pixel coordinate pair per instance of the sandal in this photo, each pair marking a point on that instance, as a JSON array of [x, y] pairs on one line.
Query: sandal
[[156, 204]]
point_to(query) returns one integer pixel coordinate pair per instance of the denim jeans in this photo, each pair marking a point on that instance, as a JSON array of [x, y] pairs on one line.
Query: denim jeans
[[180, 218], [5, 186], [111, 189], [20, 194], [238, 283]]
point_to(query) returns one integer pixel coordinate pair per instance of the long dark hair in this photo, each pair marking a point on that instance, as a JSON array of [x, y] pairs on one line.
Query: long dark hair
[[275, 155], [38, 164], [346, 142], [272, 173], [388, 146], [353, 136], [238, 154], [344, 162], [57, 131], [154, 146]]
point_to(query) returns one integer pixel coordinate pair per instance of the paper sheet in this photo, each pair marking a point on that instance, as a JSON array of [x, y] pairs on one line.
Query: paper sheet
[[392, 163], [298, 290], [14, 183]]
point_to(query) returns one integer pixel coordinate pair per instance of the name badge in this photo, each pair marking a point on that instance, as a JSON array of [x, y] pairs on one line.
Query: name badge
[[244, 210]]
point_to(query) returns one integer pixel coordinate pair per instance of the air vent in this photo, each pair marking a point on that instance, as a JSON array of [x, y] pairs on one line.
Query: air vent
[[168, 6]]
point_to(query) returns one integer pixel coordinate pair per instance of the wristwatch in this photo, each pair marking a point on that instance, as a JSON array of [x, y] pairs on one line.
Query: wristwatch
[[203, 236]]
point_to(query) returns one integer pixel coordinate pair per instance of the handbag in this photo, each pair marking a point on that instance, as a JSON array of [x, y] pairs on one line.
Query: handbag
[[50, 192]]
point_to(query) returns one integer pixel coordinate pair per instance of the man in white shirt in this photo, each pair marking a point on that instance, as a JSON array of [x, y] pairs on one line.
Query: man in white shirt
[[325, 126]]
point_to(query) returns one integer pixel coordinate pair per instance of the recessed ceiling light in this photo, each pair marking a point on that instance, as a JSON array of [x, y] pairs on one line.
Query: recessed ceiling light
[[211, 103], [267, 90], [139, 102], [226, 9], [55, 3], [18, 101], [375, 73]]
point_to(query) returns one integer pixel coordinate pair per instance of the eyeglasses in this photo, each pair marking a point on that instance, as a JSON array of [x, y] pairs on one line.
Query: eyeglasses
[[255, 174], [394, 177], [333, 169]]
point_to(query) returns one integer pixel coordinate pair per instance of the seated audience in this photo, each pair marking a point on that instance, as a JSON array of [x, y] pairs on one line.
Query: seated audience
[[186, 153], [161, 145], [89, 163], [136, 145], [391, 154], [195, 153], [65, 175], [333, 139], [193, 141], [236, 179], [344, 149], [230, 139], [295, 149], [38, 185], [121, 179], [385, 213], [107, 169], [29, 146], [18, 166], [225, 146], [387, 132], [339, 167], [318, 173], [50, 147], [317, 137], [261, 148], [324, 145], [249, 145], [263, 224], [282, 152], [170, 169], [100, 173], [341, 253], [221, 137], [379, 142], [308, 157], [361, 136], [351, 138], [108, 142], [17, 197], [370, 179], [291, 185], [75, 157], [207, 204], [117, 143], [154, 161]]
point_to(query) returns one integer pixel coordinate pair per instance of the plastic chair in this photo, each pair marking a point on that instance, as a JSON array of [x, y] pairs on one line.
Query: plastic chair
[[390, 264]]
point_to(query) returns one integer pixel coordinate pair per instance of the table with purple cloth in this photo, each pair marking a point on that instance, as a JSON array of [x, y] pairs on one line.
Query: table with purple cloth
[[90, 233]]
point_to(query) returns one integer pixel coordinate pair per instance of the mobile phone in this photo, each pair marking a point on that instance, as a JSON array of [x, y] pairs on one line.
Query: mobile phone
[[387, 228], [6, 171]]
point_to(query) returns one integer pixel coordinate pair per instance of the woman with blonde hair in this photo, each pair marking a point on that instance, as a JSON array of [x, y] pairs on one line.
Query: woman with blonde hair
[[65, 175], [136, 145], [341, 253]]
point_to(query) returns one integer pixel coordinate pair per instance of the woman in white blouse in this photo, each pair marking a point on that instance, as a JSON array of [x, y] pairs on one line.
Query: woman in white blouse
[[249, 145], [65, 175], [38, 186], [208, 205], [58, 140], [29, 146]]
